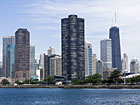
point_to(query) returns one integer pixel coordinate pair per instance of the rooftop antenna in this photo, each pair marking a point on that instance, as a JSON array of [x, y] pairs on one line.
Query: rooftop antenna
[[115, 18]]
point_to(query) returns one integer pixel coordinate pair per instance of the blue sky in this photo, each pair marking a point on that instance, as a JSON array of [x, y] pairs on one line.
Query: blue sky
[[42, 18]]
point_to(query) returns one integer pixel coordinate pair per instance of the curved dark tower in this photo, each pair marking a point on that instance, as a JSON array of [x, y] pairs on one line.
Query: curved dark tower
[[116, 49], [72, 35]]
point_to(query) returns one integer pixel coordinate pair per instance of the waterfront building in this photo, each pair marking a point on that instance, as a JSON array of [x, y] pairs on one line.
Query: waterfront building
[[116, 48], [55, 66], [88, 58], [106, 52], [94, 60], [32, 62], [125, 63], [134, 66], [10, 61], [7, 41], [43, 66], [51, 51], [38, 74], [99, 67], [73, 39], [0, 69], [22, 54]]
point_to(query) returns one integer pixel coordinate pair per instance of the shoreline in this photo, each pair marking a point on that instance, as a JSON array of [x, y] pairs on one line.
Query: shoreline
[[77, 86]]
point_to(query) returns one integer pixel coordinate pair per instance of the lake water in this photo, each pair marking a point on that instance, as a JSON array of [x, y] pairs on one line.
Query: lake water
[[57, 96]]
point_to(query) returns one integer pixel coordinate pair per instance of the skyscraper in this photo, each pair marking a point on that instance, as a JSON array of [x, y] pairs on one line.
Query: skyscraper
[[125, 63], [7, 41], [51, 51], [73, 58], [94, 60], [106, 52], [55, 66], [32, 62], [134, 66], [43, 66], [116, 48], [10, 61], [88, 58], [22, 54]]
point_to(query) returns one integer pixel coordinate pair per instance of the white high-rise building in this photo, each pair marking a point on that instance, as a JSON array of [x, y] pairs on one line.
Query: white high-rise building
[[88, 59], [106, 52], [55, 66], [134, 66], [125, 63], [32, 61], [51, 51], [94, 60]]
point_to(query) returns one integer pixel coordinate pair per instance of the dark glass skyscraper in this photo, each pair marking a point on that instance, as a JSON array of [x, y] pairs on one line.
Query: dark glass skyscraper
[[22, 54], [116, 49], [73, 59]]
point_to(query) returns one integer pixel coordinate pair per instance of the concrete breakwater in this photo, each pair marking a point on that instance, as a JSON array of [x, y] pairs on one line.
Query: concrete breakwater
[[76, 86]]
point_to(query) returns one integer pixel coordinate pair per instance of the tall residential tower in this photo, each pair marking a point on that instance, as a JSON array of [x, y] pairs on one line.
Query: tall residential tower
[[106, 52], [7, 42], [22, 54], [88, 59], [73, 58]]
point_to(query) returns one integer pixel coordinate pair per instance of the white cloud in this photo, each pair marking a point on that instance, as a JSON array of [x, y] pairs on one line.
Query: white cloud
[[98, 15]]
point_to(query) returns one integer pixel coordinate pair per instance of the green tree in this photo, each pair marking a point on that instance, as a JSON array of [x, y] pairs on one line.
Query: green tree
[[135, 79], [18, 82], [114, 77], [26, 81], [89, 79], [5, 82], [77, 81], [94, 79], [49, 80], [97, 78], [34, 81]]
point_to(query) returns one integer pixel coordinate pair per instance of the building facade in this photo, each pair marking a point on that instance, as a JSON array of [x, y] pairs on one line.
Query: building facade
[[0, 69], [125, 63], [88, 58], [32, 62], [10, 66], [134, 66], [51, 51], [99, 67], [116, 48], [43, 66], [94, 60], [55, 66], [73, 58], [106, 52], [7, 41], [22, 54]]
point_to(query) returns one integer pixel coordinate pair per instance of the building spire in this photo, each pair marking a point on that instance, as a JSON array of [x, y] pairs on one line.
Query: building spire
[[115, 18]]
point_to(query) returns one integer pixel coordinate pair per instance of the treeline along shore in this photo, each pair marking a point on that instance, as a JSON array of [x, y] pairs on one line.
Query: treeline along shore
[[77, 86]]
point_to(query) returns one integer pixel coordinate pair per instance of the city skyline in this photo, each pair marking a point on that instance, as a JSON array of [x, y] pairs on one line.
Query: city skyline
[[35, 16]]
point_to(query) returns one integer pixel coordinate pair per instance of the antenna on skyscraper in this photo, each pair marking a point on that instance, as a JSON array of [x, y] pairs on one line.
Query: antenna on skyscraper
[[115, 18]]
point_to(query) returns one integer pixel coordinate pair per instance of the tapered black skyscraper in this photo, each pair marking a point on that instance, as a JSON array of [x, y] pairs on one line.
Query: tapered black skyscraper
[[73, 60], [116, 48]]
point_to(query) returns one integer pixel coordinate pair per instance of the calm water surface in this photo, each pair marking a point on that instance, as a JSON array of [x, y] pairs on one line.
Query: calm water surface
[[42, 96]]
